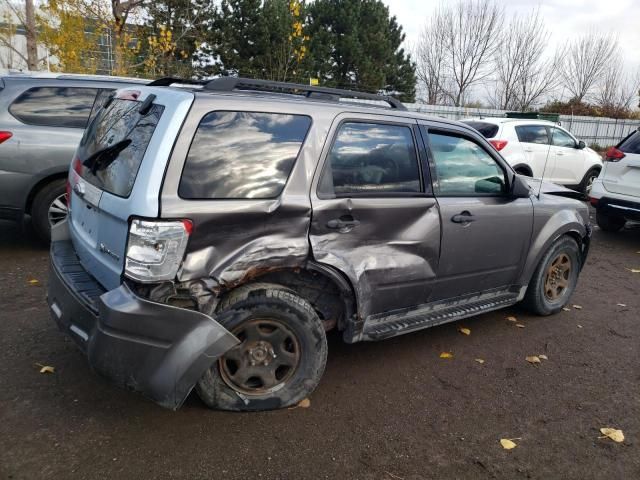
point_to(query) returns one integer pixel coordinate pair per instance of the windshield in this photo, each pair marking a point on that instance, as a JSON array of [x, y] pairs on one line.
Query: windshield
[[114, 144]]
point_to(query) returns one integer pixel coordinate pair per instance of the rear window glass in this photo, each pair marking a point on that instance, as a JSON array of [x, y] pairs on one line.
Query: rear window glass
[[55, 106], [242, 155], [114, 144], [631, 144], [488, 130]]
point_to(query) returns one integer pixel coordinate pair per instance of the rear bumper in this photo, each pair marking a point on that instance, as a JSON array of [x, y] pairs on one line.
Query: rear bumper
[[158, 350], [630, 210]]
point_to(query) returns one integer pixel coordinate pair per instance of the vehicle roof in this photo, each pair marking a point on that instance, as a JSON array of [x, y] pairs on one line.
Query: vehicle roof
[[13, 75], [511, 121]]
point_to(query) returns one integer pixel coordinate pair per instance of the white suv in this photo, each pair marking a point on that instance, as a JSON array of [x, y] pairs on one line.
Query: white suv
[[616, 193], [535, 146]]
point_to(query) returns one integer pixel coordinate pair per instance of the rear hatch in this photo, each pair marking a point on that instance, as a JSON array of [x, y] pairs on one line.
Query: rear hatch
[[622, 172], [117, 173]]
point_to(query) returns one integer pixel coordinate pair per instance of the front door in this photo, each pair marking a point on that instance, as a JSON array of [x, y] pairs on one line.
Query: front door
[[485, 232], [535, 142], [374, 217]]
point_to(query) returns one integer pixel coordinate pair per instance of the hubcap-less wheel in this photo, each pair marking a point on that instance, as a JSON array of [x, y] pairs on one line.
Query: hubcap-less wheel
[[268, 356], [58, 210], [557, 277]]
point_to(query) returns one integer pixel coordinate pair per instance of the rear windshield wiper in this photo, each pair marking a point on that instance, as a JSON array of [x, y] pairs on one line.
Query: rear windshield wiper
[[104, 157]]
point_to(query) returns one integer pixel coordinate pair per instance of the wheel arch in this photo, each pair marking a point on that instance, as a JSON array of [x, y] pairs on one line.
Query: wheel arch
[[39, 185]]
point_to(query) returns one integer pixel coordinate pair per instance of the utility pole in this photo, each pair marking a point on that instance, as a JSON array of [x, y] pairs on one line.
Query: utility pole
[[32, 36]]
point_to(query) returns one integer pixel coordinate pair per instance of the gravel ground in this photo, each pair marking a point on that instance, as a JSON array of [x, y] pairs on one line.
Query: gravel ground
[[387, 410]]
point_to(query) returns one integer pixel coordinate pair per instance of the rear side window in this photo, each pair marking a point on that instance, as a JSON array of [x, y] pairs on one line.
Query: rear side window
[[54, 106], [237, 155], [533, 134], [631, 144], [488, 130], [370, 158], [114, 144]]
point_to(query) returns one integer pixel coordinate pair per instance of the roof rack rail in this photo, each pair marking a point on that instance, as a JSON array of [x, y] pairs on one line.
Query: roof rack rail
[[228, 84]]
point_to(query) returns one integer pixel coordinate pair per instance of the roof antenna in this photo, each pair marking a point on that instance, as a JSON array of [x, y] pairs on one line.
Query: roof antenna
[[544, 170]]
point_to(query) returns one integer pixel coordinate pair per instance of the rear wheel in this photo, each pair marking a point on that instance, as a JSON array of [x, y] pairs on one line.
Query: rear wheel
[[49, 208], [555, 278], [609, 223], [587, 181], [281, 355]]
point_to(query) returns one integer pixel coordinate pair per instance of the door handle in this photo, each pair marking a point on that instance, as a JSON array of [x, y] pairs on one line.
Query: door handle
[[343, 223], [559, 154], [528, 149], [463, 217]]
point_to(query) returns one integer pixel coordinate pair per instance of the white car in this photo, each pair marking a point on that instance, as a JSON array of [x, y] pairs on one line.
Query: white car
[[616, 193], [535, 146]]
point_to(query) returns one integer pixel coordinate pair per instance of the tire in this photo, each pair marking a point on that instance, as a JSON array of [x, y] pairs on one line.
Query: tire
[[246, 313], [54, 191], [587, 181], [537, 299], [609, 223]]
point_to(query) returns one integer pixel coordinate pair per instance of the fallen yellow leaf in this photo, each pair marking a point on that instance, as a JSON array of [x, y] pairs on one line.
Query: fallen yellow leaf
[[479, 360], [306, 403], [47, 369], [512, 319], [566, 309], [446, 355], [579, 326], [507, 444], [543, 357], [577, 307], [464, 331], [622, 304], [533, 359], [519, 325], [634, 270], [33, 281], [613, 433]]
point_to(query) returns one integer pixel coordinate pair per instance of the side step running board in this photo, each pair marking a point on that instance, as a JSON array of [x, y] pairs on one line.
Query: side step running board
[[429, 316]]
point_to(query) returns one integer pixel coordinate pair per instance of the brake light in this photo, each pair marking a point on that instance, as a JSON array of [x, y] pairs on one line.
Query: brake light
[[155, 249], [72, 178], [4, 136], [613, 155], [594, 201], [498, 144]]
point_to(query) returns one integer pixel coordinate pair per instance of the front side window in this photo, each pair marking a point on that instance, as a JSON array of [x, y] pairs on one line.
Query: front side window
[[533, 134], [464, 168], [239, 155], [55, 106], [562, 139], [371, 158]]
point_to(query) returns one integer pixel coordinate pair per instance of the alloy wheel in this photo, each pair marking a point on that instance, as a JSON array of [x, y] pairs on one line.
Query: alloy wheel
[[58, 210]]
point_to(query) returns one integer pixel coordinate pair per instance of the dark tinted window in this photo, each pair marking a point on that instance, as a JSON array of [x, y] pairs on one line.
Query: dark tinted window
[[488, 130], [371, 158], [533, 134], [113, 145], [55, 106], [562, 139], [242, 155], [464, 168], [99, 102], [631, 144]]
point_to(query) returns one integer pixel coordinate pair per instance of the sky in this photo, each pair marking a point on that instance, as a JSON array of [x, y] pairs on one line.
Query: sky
[[564, 19]]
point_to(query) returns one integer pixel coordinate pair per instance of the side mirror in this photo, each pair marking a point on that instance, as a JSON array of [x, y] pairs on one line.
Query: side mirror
[[520, 187], [581, 145]]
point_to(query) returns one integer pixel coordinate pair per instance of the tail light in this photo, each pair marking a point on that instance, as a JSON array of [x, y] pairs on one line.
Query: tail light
[[613, 155], [594, 201], [498, 144], [155, 249], [4, 136], [72, 178]]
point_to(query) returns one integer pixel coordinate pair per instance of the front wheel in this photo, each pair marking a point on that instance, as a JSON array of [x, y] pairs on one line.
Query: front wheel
[[587, 182], [555, 278], [281, 355]]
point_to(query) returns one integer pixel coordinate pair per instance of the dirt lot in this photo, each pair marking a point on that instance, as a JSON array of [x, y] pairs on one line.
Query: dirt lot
[[389, 410]]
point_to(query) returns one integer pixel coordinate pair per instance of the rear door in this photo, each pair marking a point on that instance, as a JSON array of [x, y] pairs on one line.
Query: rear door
[[535, 140], [117, 173], [485, 232], [568, 166], [374, 217], [623, 176]]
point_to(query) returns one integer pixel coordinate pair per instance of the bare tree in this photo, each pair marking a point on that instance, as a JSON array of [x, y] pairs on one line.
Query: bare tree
[[431, 58], [522, 75], [23, 15], [586, 60], [472, 33], [617, 88]]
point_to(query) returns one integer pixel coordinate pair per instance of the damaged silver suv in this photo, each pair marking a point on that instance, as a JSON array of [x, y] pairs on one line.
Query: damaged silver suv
[[218, 231]]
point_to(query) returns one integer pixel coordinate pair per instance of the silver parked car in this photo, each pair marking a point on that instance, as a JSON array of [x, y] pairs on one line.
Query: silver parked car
[[216, 233], [42, 117]]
